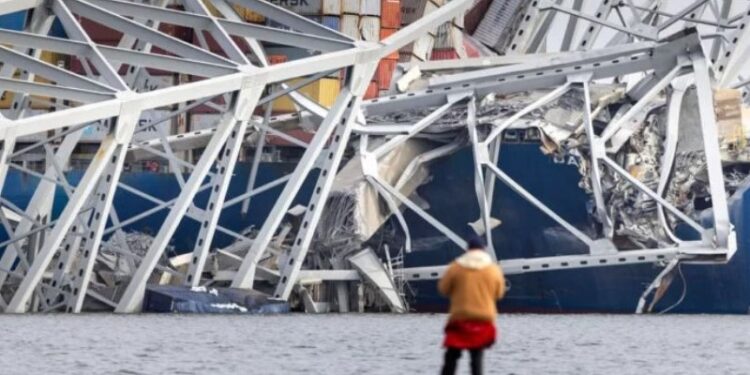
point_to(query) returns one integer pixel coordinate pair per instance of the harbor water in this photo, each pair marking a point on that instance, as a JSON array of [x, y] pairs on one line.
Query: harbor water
[[368, 344]]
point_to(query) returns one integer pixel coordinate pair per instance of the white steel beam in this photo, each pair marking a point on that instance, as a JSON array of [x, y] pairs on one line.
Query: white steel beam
[[243, 105], [20, 300]]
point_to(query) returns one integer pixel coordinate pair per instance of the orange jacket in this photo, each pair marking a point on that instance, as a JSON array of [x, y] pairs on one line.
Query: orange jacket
[[474, 283]]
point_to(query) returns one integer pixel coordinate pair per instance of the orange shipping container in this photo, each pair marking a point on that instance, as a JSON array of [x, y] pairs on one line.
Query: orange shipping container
[[276, 59], [390, 14], [384, 33], [372, 91], [385, 73]]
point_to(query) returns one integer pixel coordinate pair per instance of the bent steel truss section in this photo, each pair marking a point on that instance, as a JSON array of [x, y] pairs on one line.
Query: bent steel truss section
[[47, 260]]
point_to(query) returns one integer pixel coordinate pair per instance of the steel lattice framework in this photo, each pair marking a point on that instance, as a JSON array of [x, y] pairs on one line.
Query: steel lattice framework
[[48, 260]]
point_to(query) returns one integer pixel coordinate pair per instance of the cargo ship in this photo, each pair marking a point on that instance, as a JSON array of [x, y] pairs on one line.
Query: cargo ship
[[524, 232]]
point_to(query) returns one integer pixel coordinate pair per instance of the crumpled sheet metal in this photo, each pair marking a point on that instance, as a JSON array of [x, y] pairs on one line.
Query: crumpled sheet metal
[[354, 211]]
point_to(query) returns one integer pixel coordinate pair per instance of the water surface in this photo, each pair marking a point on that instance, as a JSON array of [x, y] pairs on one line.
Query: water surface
[[368, 344]]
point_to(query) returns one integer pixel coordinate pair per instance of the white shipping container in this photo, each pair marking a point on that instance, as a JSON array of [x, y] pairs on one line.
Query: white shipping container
[[370, 28], [155, 82], [442, 37], [370, 7], [153, 131], [449, 36], [350, 26], [311, 7], [94, 132], [201, 121], [351, 6], [423, 47], [429, 7]]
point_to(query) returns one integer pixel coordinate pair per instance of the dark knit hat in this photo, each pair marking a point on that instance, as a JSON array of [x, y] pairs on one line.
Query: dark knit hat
[[476, 242]]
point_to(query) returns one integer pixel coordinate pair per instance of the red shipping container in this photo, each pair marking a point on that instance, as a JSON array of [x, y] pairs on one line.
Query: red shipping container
[[180, 32], [451, 54], [384, 33], [215, 47], [372, 91], [390, 14], [443, 54], [100, 33], [385, 73], [471, 50]]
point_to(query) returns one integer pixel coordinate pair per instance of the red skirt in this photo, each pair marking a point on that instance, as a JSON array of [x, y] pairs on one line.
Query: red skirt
[[469, 334]]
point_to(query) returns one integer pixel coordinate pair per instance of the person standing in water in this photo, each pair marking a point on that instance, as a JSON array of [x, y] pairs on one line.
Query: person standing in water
[[473, 283]]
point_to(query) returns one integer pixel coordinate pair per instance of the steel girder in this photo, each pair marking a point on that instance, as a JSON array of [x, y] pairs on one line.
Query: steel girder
[[71, 241], [99, 94]]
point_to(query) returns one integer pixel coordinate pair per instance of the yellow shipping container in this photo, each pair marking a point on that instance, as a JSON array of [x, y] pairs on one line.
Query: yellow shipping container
[[323, 91], [212, 9], [248, 15], [53, 58], [253, 17], [6, 100]]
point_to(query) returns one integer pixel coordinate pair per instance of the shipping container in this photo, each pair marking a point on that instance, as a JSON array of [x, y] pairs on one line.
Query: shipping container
[[471, 49], [369, 28], [311, 7], [404, 56], [429, 7], [299, 134], [370, 8], [390, 14], [212, 9], [276, 59], [55, 59], [350, 26], [372, 91], [248, 15], [443, 54], [203, 109], [214, 45], [411, 10], [179, 32], [385, 73], [57, 30], [422, 47], [276, 25], [351, 6], [323, 91], [202, 121], [384, 33], [493, 29], [331, 22], [152, 130], [100, 33], [474, 16], [6, 99], [13, 21], [449, 35], [291, 53]]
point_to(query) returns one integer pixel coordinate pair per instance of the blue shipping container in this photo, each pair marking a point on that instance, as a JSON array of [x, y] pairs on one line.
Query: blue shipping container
[[13, 21], [332, 22]]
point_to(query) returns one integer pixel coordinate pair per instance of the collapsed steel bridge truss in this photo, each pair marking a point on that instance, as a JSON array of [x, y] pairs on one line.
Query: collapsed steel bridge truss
[[47, 262]]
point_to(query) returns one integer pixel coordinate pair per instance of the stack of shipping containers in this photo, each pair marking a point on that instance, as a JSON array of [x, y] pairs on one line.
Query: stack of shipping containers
[[368, 20]]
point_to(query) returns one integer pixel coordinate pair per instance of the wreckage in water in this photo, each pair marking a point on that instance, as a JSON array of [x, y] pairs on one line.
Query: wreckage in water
[[599, 175]]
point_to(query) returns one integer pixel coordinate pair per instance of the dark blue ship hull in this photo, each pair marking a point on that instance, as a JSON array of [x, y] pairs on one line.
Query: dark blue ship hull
[[525, 232]]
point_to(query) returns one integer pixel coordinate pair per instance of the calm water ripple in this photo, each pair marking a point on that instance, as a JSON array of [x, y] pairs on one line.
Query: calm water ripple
[[368, 344]]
